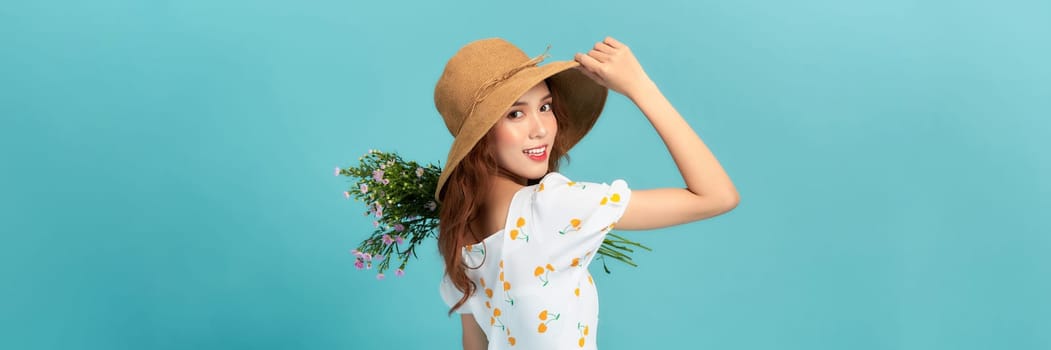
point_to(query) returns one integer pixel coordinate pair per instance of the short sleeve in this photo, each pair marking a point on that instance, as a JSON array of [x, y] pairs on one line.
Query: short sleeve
[[451, 295], [580, 207]]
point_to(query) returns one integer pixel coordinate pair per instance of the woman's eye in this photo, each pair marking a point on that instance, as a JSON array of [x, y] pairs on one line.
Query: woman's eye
[[545, 107], [515, 114]]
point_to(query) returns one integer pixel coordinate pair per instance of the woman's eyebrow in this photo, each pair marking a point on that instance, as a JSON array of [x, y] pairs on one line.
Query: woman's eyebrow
[[519, 103]]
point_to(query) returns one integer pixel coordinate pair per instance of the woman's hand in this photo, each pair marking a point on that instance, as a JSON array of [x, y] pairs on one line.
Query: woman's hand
[[611, 64]]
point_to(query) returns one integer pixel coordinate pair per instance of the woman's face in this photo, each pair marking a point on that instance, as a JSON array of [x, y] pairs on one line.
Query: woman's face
[[525, 134]]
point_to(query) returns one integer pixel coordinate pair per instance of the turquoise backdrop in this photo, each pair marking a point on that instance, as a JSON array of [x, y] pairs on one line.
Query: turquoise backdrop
[[167, 170]]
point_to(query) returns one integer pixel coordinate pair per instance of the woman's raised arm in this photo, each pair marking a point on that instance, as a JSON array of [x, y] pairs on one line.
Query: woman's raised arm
[[709, 191]]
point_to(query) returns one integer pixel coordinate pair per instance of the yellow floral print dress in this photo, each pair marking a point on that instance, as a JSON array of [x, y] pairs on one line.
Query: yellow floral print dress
[[533, 286]]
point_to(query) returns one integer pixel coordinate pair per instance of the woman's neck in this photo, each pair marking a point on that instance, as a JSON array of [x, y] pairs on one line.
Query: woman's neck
[[501, 187]]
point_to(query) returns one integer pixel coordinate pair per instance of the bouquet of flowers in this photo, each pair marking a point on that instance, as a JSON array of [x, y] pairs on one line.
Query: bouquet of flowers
[[399, 194]]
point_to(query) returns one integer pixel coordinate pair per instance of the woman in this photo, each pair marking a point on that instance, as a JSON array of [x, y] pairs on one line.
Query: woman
[[516, 235]]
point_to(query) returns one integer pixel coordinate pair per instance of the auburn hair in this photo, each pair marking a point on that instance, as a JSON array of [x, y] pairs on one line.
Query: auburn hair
[[464, 191]]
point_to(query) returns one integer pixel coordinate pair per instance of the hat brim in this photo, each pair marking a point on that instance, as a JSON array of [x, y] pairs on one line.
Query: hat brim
[[582, 98]]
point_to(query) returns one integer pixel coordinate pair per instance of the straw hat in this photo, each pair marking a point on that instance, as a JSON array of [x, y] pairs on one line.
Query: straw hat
[[485, 77]]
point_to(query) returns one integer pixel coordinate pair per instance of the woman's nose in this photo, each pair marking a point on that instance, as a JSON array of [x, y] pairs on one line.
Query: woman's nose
[[539, 130]]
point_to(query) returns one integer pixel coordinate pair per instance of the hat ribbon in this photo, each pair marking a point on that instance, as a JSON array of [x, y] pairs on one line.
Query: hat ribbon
[[487, 87]]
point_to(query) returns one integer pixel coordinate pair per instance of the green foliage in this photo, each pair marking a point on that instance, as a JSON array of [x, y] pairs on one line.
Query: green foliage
[[400, 195]]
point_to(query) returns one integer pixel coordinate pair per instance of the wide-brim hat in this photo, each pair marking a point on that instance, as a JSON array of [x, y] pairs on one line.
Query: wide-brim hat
[[485, 78]]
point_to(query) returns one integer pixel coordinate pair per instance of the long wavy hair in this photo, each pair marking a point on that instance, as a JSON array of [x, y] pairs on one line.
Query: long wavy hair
[[465, 190]]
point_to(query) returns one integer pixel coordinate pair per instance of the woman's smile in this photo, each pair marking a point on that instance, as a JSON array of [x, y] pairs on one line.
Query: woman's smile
[[537, 153]]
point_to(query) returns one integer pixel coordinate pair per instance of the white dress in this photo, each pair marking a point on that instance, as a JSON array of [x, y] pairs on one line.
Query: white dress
[[533, 286]]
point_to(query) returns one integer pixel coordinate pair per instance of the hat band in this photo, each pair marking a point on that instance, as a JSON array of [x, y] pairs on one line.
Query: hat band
[[488, 86]]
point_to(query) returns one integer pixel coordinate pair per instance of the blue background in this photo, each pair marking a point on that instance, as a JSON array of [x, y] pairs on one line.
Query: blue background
[[167, 170]]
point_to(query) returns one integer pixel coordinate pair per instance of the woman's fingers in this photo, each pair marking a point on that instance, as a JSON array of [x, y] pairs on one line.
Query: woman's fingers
[[599, 56], [588, 66], [613, 42], [603, 47], [589, 63]]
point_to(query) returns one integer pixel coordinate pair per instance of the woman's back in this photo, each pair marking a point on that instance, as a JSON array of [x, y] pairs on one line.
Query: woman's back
[[493, 213], [534, 289]]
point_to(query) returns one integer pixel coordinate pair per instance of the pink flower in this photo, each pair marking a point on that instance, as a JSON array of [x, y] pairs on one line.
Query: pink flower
[[364, 188], [359, 264], [357, 253], [366, 256], [399, 273], [399, 227], [399, 239], [337, 171], [431, 205], [375, 224], [378, 257], [379, 276], [387, 240], [377, 175], [379, 211], [419, 172], [346, 194], [386, 182]]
